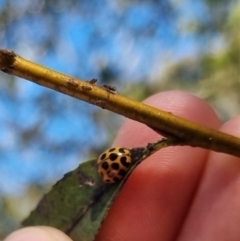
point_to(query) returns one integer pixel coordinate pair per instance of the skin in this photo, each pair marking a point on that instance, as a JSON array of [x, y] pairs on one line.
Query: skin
[[179, 193]]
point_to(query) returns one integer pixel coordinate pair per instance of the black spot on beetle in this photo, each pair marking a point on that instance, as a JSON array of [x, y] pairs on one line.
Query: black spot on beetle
[[112, 149], [122, 172], [124, 162], [113, 156], [121, 150], [115, 166], [103, 156], [115, 179], [105, 165]]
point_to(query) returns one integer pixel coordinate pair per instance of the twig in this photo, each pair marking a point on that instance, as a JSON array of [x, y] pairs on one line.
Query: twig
[[163, 122]]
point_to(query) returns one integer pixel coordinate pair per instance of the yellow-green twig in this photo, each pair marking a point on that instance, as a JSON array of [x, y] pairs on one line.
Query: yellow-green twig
[[166, 123]]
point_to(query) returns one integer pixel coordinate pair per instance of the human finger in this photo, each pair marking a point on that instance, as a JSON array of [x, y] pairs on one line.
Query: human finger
[[215, 212], [157, 195], [38, 233]]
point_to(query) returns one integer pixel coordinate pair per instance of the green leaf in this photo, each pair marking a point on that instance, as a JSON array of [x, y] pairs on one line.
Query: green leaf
[[78, 203]]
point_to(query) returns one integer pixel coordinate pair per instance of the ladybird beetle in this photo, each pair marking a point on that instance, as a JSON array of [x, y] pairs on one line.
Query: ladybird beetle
[[114, 163]]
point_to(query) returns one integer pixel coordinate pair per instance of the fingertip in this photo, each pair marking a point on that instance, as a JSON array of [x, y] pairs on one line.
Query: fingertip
[[232, 126], [219, 194], [39, 233]]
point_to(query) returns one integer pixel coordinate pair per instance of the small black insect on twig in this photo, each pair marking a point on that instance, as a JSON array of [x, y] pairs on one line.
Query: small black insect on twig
[[111, 89], [93, 81]]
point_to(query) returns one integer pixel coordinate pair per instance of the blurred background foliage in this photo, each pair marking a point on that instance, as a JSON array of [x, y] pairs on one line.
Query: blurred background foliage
[[141, 47]]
